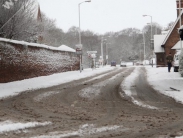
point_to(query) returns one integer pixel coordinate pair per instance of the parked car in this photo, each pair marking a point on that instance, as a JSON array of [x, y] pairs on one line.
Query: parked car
[[97, 64], [113, 63], [176, 61], [123, 64]]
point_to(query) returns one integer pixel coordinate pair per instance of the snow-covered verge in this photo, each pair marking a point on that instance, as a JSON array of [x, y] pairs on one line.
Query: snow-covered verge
[[168, 83], [16, 87]]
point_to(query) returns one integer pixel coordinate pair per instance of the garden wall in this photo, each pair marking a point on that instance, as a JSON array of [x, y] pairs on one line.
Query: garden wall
[[21, 60]]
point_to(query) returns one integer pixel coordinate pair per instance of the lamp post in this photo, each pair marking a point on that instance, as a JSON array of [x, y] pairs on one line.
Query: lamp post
[[155, 28], [144, 47], [151, 36], [107, 53], [102, 51], [79, 19], [80, 45]]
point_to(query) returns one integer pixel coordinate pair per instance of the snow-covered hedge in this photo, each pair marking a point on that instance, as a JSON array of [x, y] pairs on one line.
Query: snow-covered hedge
[[181, 64]]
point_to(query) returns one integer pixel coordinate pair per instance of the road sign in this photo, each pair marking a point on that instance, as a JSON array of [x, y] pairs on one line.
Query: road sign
[[93, 56], [91, 52], [78, 51]]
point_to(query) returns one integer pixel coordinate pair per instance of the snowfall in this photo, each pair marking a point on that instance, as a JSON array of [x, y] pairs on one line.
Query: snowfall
[[168, 83]]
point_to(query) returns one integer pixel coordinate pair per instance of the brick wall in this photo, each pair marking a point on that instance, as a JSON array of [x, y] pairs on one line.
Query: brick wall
[[172, 40], [18, 61]]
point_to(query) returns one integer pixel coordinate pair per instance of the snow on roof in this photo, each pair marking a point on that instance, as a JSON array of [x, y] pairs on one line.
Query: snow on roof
[[37, 45], [64, 48], [177, 46], [158, 39], [165, 32]]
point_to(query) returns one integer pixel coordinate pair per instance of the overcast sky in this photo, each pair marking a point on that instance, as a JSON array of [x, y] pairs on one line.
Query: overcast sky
[[102, 16]]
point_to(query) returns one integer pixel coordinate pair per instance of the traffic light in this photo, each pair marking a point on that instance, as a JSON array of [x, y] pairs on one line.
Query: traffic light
[[180, 31]]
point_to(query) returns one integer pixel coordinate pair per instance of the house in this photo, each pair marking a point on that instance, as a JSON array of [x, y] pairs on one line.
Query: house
[[166, 42], [158, 50]]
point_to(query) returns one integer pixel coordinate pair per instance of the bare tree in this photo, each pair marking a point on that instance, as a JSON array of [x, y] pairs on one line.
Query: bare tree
[[19, 20]]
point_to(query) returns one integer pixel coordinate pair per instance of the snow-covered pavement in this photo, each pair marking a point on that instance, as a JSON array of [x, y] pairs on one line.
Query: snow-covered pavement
[[167, 83]]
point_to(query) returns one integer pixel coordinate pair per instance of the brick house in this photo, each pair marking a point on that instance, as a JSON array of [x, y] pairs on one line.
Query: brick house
[[166, 43]]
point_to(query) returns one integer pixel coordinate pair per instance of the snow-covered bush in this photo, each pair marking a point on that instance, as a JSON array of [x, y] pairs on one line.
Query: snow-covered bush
[[181, 63]]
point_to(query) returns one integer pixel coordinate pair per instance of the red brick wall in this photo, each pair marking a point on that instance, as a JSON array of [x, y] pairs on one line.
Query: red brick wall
[[172, 40], [18, 62], [177, 6], [160, 57]]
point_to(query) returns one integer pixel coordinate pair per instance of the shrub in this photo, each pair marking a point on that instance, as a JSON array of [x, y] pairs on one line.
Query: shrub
[[181, 63]]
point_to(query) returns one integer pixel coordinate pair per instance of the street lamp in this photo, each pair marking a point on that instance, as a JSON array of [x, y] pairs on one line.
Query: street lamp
[[107, 56], [102, 51], [79, 19], [151, 25], [144, 47], [80, 45], [155, 28], [102, 58], [151, 36]]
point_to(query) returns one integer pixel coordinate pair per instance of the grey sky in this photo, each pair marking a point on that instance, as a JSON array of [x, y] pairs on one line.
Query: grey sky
[[102, 16]]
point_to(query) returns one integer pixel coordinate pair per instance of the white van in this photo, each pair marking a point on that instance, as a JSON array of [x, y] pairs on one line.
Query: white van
[[176, 61]]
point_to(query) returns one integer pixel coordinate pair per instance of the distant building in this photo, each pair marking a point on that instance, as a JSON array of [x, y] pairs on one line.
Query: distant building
[[158, 49], [38, 17]]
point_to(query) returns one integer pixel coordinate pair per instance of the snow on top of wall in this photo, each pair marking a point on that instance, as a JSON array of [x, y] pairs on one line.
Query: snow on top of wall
[[65, 48]]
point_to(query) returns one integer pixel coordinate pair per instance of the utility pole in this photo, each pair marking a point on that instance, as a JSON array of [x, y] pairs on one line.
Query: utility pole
[[102, 51]]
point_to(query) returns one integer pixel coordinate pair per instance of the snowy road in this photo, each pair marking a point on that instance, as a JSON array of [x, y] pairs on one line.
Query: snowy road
[[95, 107]]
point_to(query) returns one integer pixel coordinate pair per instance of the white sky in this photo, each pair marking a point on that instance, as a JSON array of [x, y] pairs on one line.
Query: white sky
[[102, 16], [159, 78]]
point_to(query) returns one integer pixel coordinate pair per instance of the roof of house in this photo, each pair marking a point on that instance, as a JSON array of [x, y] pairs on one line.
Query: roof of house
[[36, 10], [178, 45], [158, 39], [172, 28]]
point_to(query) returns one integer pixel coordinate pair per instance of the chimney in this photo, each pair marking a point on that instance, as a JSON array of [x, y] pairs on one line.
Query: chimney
[[181, 5]]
